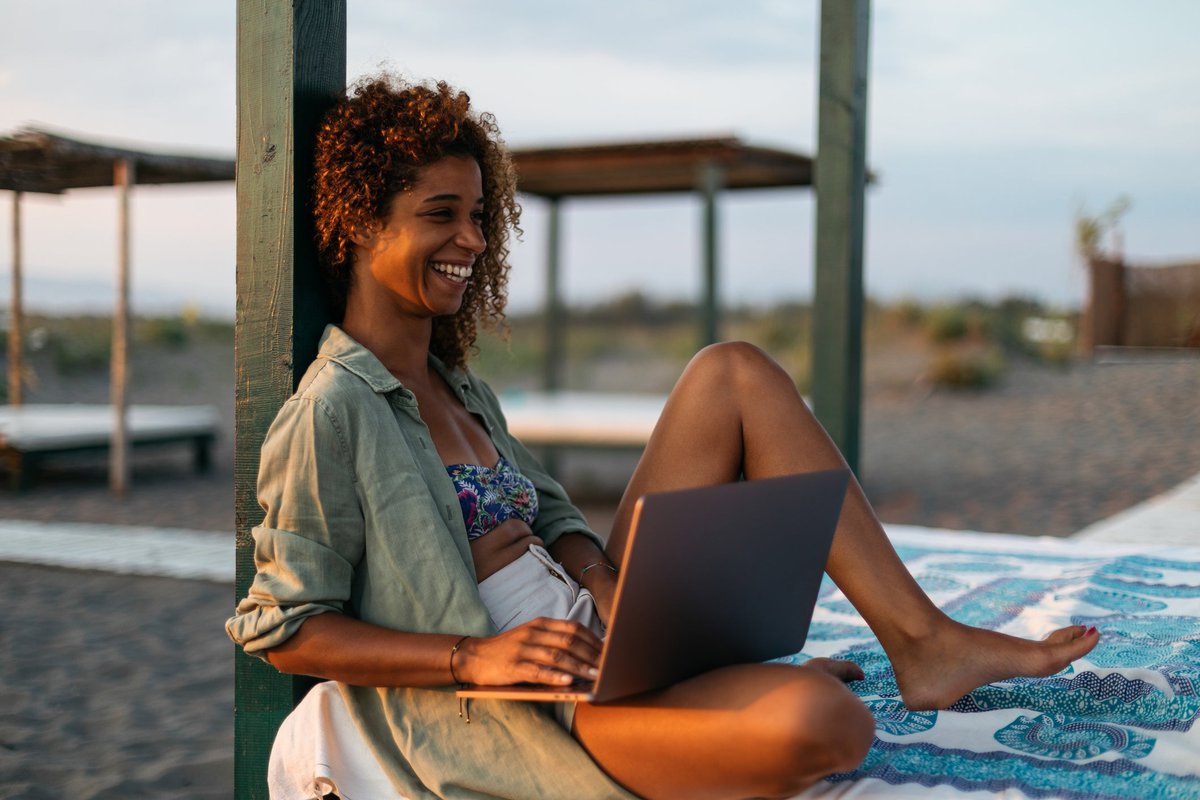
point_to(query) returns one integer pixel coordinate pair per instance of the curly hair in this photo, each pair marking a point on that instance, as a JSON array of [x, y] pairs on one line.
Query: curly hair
[[371, 146]]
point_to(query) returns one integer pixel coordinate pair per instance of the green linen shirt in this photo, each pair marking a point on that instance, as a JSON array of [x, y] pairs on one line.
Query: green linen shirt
[[362, 519]]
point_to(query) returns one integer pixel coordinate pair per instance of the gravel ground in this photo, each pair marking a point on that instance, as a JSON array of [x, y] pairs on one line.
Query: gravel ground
[[1047, 451]]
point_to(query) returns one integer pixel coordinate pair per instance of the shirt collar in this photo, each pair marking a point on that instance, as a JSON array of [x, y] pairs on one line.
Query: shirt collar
[[338, 346]]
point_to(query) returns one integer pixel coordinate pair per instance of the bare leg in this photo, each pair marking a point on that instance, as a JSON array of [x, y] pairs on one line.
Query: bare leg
[[759, 730], [735, 412]]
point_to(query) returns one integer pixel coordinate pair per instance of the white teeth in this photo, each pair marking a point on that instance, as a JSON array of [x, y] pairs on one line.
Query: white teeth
[[452, 270]]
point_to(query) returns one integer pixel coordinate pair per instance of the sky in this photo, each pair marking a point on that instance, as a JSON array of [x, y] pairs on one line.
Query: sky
[[992, 124]]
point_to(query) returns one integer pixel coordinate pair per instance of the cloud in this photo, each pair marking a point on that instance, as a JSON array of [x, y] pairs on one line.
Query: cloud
[[999, 74]]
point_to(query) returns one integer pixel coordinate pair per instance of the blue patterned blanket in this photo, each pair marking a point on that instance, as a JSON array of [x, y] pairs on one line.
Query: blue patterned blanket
[[1118, 724]]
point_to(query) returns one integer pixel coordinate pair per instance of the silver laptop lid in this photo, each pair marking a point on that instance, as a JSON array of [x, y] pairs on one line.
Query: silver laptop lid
[[716, 576]]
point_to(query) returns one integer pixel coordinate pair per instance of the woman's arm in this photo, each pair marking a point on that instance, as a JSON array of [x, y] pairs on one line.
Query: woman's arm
[[341, 648], [577, 552]]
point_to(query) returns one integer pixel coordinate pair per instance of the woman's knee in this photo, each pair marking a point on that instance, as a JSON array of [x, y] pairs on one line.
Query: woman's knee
[[819, 728], [736, 365]]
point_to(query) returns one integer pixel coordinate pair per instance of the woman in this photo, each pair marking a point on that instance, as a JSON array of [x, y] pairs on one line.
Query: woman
[[411, 544]]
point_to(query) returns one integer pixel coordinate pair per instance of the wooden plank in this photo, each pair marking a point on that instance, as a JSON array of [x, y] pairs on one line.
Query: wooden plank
[[16, 317], [291, 65], [124, 177], [841, 177]]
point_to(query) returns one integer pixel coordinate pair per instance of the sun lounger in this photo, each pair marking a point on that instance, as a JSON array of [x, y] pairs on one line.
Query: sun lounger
[[582, 419], [32, 433]]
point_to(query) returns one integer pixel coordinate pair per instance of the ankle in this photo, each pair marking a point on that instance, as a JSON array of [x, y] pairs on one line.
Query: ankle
[[910, 632]]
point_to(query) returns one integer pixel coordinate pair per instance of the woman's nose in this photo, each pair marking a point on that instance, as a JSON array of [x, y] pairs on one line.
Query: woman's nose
[[470, 237]]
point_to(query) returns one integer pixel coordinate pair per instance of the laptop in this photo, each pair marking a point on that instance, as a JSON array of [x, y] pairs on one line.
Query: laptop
[[711, 577]]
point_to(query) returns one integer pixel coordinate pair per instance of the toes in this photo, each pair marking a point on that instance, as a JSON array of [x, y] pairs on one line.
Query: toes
[[1071, 643], [1069, 634]]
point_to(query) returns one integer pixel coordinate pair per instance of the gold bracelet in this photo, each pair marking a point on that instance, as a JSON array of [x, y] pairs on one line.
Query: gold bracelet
[[453, 651]]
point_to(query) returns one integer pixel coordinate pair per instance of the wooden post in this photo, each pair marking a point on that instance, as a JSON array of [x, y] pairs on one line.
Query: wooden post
[[555, 327], [291, 65], [1104, 318], [16, 348], [124, 177], [841, 183], [710, 180]]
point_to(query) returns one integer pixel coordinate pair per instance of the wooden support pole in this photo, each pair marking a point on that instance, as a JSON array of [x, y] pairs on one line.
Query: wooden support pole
[[124, 177], [16, 318], [291, 66], [841, 183], [556, 329], [709, 180]]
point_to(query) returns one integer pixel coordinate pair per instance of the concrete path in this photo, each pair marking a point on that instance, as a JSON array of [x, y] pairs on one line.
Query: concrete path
[[124, 549], [1172, 518]]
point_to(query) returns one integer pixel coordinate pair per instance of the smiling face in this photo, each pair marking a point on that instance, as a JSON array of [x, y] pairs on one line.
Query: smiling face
[[418, 260]]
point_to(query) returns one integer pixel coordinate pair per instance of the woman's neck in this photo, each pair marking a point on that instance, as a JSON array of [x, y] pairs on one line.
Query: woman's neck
[[400, 343]]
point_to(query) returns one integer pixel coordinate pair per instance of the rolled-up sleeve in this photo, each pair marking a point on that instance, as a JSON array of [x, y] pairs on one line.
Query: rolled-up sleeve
[[312, 535]]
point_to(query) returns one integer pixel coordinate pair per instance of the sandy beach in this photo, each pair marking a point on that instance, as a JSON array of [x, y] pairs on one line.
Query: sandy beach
[[115, 686]]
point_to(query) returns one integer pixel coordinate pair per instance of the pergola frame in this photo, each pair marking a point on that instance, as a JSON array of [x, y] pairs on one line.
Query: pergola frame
[[291, 67], [38, 160], [703, 166]]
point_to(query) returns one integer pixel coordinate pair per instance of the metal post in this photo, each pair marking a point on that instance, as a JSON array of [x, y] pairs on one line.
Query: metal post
[[841, 184], [291, 65], [124, 177], [555, 322], [16, 348], [710, 180]]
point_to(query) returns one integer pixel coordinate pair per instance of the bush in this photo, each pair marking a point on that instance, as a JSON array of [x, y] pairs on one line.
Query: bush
[[171, 332], [965, 370], [77, 353], [947, 324]]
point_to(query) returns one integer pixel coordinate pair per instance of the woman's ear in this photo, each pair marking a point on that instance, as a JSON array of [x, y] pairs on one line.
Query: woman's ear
[[364, 235]]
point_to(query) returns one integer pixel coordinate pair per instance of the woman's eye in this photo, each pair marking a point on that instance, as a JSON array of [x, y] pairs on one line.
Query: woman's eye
[[478, 216]]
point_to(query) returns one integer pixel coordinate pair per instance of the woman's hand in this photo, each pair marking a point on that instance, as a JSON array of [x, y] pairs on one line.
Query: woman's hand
[[554, 652]]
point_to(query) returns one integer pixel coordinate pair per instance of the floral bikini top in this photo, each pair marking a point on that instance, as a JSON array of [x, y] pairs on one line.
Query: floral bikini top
[[489, 496]]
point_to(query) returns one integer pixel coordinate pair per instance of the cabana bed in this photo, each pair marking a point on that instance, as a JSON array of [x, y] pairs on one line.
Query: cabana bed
[[32, 433]]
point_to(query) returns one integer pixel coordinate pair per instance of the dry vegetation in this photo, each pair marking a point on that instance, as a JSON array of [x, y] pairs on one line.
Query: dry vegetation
[[633, 344]]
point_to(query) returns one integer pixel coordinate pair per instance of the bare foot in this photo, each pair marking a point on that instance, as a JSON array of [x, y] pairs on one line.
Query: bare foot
[[844, 671], [936, 671]]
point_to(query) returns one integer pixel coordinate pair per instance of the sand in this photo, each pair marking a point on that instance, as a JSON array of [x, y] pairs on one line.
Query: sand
[[114, 686]]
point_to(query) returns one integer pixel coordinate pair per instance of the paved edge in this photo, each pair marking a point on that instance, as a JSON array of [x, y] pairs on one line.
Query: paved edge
[[1171, 519], [124, 549]]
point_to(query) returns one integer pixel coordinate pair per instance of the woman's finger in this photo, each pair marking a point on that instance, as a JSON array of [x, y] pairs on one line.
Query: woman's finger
[[552, 660], [579, 646]]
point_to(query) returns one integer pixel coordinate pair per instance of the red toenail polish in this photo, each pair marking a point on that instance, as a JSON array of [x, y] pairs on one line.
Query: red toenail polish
[[1091, 630]]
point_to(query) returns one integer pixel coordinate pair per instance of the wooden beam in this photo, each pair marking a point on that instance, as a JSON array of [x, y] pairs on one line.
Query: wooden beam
[[841, 178], [124, 177], [16, 346], [291, 66]]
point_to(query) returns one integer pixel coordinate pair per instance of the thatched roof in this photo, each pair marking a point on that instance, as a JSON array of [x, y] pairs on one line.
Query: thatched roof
[[37, 160], [655, 167]]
